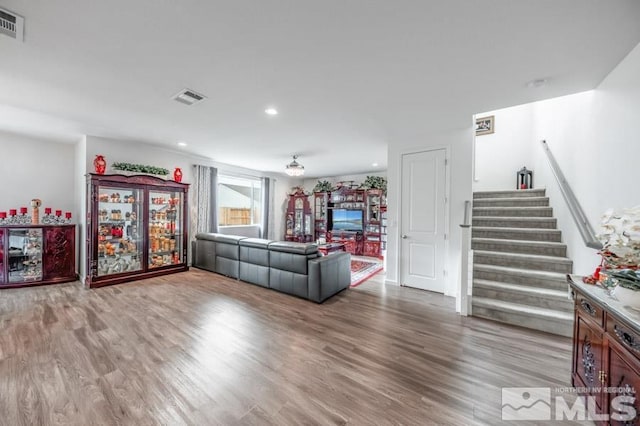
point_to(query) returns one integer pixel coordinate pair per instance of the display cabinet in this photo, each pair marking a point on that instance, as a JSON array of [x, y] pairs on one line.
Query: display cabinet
[[298, 218], [321, 214], [375, 227], [137, 228], [606, 352], [37, 255]]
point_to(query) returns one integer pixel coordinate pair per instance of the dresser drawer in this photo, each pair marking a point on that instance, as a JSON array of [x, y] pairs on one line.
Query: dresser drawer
[[624, 335], [588, 309]]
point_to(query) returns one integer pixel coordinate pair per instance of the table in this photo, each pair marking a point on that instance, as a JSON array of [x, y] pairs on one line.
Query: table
[[326, 249]]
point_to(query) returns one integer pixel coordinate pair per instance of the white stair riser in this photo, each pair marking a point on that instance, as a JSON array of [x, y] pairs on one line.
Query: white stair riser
[[521, 279], [511, 202], [507, 247], [513, 212], [509, 194], [524, 263], [517, 223], [499, 233], [547, 302], [554, 326]]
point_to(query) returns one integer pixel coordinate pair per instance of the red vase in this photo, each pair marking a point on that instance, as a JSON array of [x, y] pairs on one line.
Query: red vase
[[177, 174], [100, 164]]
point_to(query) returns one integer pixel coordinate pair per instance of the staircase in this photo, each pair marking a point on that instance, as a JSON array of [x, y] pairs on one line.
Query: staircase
[[519, 263]]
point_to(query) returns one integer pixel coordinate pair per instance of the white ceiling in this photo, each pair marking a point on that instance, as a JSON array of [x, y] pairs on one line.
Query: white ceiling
[[349, 77]]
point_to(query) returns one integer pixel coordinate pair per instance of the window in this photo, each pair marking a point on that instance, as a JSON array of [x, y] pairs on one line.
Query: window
[[239, 201]]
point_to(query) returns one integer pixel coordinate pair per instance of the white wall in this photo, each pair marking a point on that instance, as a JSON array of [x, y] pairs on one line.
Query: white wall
[[595, 139], [499, 155], [309, 184], [36, 168], [459, 143]]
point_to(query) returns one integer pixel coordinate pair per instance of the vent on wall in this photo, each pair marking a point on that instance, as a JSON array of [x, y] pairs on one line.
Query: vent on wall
[[189, 97], [11, 24]]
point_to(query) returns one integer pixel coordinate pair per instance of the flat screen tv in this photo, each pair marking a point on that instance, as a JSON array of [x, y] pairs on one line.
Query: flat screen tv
[[346, 220]]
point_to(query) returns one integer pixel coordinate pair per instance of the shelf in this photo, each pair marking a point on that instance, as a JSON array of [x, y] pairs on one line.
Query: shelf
[[120, 203], [111, 256], [162, 253], [113, 221]]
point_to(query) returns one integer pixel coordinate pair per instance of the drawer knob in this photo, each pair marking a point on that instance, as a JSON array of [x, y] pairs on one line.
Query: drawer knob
[[627, 339], [587, 307]]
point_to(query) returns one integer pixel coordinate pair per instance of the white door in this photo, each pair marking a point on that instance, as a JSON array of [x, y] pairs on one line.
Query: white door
[[422, 227]]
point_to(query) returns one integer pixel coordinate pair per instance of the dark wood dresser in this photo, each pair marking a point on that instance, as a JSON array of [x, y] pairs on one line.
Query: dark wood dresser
[[606, 349]]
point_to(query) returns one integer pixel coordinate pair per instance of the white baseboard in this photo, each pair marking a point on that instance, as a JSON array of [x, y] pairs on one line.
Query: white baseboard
[[391, 282]]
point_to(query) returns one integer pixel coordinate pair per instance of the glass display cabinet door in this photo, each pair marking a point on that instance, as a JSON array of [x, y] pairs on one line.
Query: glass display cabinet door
[[25, 255], [119, 230], [165, 228], [2, 280]]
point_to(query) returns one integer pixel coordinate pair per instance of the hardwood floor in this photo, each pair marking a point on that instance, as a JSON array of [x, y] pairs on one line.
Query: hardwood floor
[[200, 349]]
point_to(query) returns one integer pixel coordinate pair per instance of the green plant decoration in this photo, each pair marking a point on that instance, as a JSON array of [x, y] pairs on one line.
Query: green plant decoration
[[375, 182], [323, 186], [140, 168]]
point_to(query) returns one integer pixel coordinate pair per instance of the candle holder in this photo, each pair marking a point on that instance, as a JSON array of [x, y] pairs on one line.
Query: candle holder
[[24, 219], [13, 217]]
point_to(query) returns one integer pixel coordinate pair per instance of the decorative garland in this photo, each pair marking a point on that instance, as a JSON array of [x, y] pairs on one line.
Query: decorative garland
[[140, 168]]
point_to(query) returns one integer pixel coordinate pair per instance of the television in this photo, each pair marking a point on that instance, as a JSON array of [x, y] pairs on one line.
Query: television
[[347, 220]]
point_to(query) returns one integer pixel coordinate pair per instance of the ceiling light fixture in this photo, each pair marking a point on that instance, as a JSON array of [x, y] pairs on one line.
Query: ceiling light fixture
[[294, 168], [271, 111], [375, 164], [183, 144]]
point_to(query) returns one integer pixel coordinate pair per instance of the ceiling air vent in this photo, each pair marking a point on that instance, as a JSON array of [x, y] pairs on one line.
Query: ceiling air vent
[[189, 97], [11, 24]]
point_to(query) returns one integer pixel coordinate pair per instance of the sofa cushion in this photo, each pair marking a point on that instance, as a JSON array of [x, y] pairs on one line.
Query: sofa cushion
[[291, 247], [290, 261], [206, 236], [228, 267], [254, 274], [229, 239], [256, 242]]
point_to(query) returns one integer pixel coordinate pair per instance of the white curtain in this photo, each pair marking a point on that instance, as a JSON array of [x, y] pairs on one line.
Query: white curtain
[[203, 213]]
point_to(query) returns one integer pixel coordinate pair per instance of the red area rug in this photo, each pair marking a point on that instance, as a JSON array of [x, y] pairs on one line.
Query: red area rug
[[362, 270]]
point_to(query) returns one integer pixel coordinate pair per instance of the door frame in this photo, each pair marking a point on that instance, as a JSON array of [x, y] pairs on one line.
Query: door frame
[[447, 230]]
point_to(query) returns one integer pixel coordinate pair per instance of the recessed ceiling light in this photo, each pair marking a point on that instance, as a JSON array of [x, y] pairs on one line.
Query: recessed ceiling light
[[375, 164], [182, 144], [271, 111]]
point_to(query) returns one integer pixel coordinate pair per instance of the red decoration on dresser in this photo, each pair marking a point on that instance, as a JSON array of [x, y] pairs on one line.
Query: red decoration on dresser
[[177, 174], [100, 164]]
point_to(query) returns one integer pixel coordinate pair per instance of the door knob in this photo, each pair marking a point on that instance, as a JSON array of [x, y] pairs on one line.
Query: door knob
[[404, 237]]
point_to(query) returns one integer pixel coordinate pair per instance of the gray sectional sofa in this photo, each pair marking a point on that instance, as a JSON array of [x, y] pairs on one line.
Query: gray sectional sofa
[[288, 267]]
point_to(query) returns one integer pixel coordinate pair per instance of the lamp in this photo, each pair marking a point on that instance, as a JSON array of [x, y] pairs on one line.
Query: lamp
[[294, 168]]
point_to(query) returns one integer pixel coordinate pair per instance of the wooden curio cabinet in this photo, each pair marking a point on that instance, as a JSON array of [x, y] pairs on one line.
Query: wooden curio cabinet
[[37, 255], [298, 218], [606, 353], [137, 228], [321, 214], [375, 226]]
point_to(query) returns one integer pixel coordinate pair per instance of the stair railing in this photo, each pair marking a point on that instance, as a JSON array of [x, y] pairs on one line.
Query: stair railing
[[580, 218], [463, 303]]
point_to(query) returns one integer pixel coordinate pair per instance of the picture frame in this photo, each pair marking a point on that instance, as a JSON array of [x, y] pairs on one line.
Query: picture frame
[[485, 125]]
